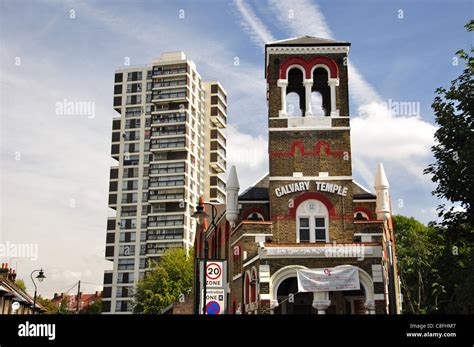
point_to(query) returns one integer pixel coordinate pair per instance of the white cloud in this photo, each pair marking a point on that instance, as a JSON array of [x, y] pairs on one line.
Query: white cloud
[[248, 153], [257, 31]]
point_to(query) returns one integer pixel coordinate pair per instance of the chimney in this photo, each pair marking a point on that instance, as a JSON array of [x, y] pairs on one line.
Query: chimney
[[232, 196]]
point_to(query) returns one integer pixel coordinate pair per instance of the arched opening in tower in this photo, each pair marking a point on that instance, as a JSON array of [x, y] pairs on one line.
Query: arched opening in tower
[[321, 92], [295, 93]]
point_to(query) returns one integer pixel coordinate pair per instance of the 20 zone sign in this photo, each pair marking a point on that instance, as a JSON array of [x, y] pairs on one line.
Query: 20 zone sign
[[214, 271]]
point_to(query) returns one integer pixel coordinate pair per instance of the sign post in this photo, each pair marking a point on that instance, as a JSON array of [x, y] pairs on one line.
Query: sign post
[[214, 298]]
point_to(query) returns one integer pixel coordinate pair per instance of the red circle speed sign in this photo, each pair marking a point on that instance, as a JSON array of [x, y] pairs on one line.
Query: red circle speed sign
[[213, 271]]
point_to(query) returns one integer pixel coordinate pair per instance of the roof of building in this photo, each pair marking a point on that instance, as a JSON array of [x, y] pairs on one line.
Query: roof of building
[[258, 191], [307, 41], [360, 192]]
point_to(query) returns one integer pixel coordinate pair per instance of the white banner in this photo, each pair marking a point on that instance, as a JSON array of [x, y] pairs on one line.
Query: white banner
[[328, 279]]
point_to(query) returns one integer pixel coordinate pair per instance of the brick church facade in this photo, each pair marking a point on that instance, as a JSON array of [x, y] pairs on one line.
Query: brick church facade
[[307, 213]]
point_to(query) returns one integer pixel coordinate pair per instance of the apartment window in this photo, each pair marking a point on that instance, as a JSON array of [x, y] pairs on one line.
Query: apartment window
[[126, 264], [130, 185], [132, 135], [130, 172], [169, 130], [312, 222], [169, 118], [128, 211], [169, 220], [165, 234], [124, 292], [131, 159], [168, 143], [133, 112], [167, 168], [127, 250], [134, 99], [125, 277], [117, 101], [127, 237], [129, 198], [134, 76], [143, 263], [118, 77], [123, 306], [169, 93], [166, 181], [134, 87]]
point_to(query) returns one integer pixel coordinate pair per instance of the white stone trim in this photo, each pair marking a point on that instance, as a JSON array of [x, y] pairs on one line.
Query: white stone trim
[[315, 252], [243, 235], [236, 277], [379, 296], [377, 273], [264, 273], [251, 261]]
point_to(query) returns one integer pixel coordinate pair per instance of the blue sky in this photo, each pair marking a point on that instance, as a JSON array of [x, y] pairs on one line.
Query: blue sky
[[65, 159]]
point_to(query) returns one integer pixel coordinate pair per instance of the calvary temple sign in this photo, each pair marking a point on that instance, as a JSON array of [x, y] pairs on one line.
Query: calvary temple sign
[[305, 185]]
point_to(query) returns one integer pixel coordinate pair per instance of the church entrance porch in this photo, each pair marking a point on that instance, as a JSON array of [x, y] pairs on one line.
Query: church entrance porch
[[286, 299]]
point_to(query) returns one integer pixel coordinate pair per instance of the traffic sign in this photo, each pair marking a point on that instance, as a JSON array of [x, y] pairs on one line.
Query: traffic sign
[[213, 307], [215, 300], [214, 274]]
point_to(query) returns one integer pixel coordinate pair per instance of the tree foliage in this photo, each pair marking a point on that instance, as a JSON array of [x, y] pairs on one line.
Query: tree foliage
[[50, 307], [170, 278], [20, 284], [418, 249], [453, 173]]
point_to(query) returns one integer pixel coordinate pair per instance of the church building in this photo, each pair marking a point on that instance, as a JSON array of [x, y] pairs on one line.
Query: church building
[[306, 238]]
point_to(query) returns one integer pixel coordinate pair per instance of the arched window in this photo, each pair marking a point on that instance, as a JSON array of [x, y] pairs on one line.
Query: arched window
[[317, 104], [255, 216], [359, 215], [293, 108], [295, 92], [253, 286], [246, 288], [320, 86], [312, 222]]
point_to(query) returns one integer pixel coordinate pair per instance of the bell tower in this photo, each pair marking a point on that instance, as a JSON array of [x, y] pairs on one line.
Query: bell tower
[[309, 135]]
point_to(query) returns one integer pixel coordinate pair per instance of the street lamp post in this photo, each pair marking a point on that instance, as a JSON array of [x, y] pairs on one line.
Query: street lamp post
[[40, 278], [200, 216]]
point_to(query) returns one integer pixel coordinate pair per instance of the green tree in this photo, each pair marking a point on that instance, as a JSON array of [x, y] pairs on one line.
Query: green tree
[[50, 307], [170, 278], [453, 172], [418, 249], [63, 309], [21, 284], [95, 308]]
